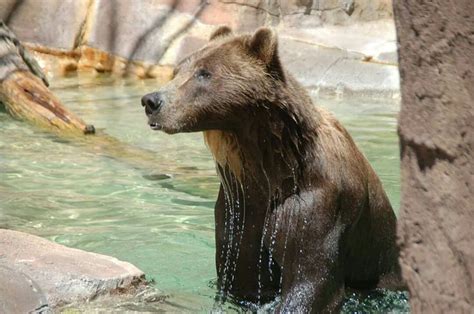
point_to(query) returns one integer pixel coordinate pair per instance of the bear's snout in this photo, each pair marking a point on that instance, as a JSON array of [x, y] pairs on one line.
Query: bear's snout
[[152, 102]]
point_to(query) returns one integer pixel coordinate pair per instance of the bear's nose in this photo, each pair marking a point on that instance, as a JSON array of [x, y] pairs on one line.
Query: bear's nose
[[152, 102]]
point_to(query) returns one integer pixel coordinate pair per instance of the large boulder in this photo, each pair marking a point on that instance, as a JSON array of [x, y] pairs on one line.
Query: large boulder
[[63, 274]]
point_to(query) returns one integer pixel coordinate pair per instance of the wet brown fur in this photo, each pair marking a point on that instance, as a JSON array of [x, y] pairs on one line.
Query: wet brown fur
[[300, 211]]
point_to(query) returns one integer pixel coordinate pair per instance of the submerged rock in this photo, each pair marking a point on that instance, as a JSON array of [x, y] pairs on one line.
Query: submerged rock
[[64, 275]]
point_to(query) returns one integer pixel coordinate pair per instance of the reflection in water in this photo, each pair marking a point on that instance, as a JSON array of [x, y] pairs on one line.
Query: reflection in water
[[159, 219]]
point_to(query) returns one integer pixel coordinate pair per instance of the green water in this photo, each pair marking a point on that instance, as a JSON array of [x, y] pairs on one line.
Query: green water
[[159, 218]]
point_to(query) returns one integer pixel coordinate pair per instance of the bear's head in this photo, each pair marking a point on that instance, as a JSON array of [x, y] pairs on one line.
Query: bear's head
[[218, 86]]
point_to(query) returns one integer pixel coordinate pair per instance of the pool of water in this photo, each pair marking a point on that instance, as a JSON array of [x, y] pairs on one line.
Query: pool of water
[[158, 216]]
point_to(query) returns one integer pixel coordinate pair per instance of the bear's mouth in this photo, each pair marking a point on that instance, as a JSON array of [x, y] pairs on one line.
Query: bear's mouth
[[155, 126]]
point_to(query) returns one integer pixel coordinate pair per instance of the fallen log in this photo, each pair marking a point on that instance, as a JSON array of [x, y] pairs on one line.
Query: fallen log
[[24, 90], [26, 98], [25, 94]]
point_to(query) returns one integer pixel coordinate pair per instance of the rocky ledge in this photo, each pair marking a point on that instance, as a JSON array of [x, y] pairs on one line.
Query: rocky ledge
[[37, 274], [335, 46]]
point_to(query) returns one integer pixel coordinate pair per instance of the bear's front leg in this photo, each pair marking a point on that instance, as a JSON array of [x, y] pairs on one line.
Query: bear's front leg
[[313, 272], [317, 287], [241, 261]]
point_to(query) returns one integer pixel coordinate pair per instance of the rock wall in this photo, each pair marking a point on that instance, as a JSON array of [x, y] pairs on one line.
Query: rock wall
[[436, 131], [343, 45]]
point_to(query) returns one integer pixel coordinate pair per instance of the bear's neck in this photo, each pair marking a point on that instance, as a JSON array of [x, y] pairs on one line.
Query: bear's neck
[[269, 153]]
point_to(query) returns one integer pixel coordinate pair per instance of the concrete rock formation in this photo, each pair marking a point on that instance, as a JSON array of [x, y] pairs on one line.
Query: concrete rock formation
[[64, 275], [351, 43], [20, 294], [436, 131]]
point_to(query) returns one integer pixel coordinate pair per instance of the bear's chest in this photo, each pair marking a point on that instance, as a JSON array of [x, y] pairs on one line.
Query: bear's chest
[[225, 150]]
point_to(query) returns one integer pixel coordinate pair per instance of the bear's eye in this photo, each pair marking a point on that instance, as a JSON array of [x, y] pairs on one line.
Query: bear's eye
[[202, 74]]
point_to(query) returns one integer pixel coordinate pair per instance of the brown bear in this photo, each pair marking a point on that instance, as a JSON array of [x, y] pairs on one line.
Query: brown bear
[[300, 212]]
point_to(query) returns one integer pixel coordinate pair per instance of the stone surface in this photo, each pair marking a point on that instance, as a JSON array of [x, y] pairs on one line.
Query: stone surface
[[19, 293], [135, 36], [333, 12], [337, 70], [14, 56], [370, 39], [128, 29], [67, 275], [51, 23], [436, 132]]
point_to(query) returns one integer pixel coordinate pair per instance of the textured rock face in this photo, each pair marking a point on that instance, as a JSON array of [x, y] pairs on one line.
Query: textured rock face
[[19, 294], [437, 149], [148, 37], [52, 23], [66, 275]]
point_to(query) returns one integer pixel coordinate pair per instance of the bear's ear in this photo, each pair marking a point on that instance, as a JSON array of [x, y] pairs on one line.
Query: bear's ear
[[221, 31], [264, 46]]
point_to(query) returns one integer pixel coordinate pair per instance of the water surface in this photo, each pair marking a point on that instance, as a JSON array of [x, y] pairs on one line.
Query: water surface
[[159, 218]]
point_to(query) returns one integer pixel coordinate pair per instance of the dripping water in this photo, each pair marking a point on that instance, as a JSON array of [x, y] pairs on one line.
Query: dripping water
[[264, 232], [229, 230], [242, 226], [273, 237], [301, 245], [288, 229], [235, 226]]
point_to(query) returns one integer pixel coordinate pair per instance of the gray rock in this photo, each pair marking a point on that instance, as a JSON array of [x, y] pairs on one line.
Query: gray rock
[[188, 45], [315, 35], [67, 275], [336, 70], [128, 28], [333, 12], [20, 294], [310, 62], [14, 57], [348, 6], [388, 57], [361, 77], [50, 23]]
